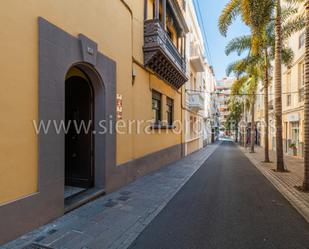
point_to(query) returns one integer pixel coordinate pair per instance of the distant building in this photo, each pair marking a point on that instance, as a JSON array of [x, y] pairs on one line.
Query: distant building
[[197, 99], [211, 112], [223, 91]]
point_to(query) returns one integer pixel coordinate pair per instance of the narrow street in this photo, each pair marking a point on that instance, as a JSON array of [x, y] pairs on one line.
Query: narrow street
[[212, 199], [154, 124], [228, 203]]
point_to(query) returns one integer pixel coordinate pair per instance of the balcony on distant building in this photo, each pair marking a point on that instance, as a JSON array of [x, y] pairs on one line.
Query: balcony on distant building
[[196, 57], [164, 42], [195, 101]]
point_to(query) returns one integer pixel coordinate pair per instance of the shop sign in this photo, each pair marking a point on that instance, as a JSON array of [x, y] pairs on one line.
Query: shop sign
[[293, 117]]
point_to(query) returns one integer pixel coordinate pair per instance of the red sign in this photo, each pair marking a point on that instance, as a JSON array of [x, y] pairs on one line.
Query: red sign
[[119, 106]]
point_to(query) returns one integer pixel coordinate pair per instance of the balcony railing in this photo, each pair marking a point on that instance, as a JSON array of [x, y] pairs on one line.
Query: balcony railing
[[161, 56], [196, 58], [195, 101]]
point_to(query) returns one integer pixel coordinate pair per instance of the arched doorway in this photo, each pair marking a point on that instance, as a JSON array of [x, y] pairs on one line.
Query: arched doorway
[[79, 145]]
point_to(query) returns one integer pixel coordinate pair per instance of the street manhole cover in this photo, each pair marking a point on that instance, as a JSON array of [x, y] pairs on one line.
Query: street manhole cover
[[36, 246]]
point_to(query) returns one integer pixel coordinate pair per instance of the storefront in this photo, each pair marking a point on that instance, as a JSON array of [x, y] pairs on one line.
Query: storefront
[[292, 135]]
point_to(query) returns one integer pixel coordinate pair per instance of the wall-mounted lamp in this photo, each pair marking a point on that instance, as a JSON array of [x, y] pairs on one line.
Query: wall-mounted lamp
[[133, 76]]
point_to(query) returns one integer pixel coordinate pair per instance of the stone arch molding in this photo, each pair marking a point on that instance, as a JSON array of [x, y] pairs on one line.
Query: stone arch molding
[[58, 52]]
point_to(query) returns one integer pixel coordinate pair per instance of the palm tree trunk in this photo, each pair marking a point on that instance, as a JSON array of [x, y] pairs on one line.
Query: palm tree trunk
[[306, 142], [252, 127], [236, 132], [278, 91], [266, 124], [245, 127]]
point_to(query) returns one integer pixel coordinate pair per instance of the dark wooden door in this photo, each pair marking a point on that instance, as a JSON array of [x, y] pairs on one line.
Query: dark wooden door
[[78, 139]]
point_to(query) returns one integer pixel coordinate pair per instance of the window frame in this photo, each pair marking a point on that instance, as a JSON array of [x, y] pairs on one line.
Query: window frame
[[170, 111], [157, 97], [301, 81], [288, 89]]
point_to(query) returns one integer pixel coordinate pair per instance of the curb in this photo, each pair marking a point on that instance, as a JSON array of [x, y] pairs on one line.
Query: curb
[[179, 172], [126, 239]]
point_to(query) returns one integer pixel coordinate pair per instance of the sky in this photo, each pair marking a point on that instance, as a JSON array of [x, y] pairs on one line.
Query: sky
[[210, 11]]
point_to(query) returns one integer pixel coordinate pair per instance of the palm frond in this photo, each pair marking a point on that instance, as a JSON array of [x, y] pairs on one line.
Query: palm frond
[[238, 45], [228, 15], [287, 56], [287, 12], [296, 1], [238, 85], [293, 25], [238, 67]]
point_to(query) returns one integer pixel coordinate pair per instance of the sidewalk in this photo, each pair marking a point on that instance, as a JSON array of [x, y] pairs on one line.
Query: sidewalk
[[115, 220], [284, 182]]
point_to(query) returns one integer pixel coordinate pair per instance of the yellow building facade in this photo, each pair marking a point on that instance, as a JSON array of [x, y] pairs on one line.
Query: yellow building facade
[[121, 62]]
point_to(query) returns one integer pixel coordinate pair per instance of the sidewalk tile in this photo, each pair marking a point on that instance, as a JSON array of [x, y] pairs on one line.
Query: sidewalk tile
[[115, 220]]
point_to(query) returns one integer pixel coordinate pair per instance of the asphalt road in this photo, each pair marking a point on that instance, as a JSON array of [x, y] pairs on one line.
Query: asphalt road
[[226, 204]]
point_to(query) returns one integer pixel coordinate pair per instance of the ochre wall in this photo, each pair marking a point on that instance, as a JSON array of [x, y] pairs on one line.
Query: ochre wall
[[119, 36]]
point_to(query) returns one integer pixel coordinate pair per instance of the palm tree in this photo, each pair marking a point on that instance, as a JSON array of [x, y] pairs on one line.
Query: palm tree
[[278, 73], [306, 111], [266, 106], [278, 88], [236, 108], [252, 87], [248, 73], [239, 45], [285, 26], [263, 58], [258, 15]]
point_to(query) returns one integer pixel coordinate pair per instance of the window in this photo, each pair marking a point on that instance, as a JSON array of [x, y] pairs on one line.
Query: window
[[288, 99], [301, 41], [170, 110], [288, 90], [295, 132], [286, 132], [169, 33], [154, 11], [301, 80], [156, 107], [192, 126]]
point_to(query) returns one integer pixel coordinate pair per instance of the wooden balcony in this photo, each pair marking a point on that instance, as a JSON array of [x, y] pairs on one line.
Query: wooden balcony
[[161, 56]]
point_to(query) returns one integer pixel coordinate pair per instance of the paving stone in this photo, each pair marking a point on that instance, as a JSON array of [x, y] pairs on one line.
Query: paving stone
[[284, 182], [115, 220]]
